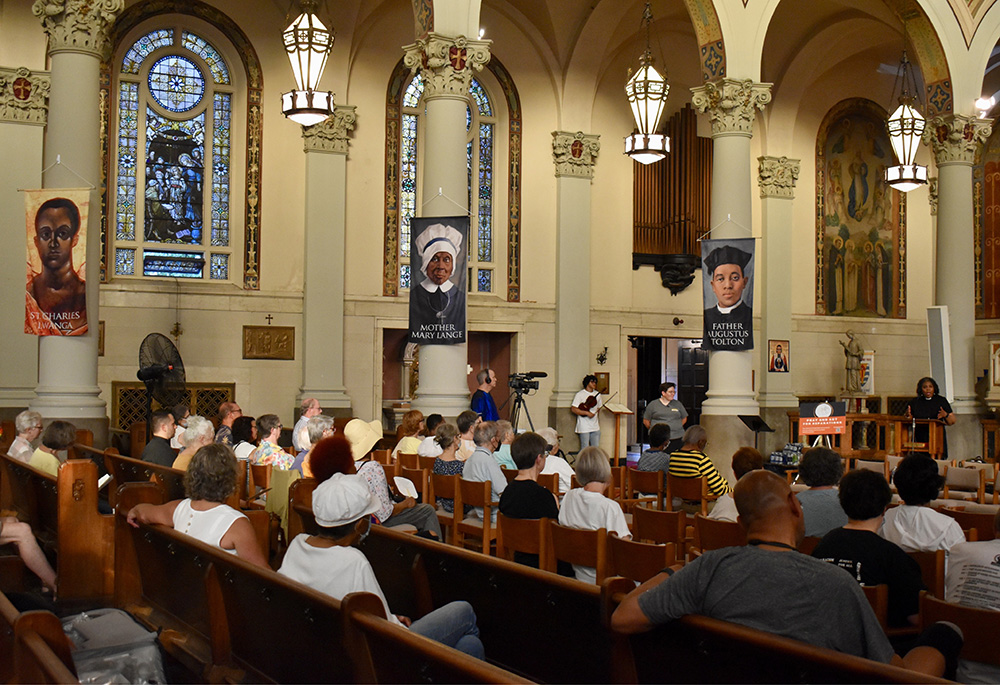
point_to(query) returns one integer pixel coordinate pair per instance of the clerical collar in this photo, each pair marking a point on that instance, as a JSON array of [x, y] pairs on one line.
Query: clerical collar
[[727, 310], [430, 286]]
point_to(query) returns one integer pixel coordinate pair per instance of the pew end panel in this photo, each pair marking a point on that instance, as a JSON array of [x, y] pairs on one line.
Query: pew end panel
[[86, 537]]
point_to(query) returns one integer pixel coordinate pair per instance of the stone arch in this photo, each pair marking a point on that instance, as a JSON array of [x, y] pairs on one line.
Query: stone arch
[[711, 46]]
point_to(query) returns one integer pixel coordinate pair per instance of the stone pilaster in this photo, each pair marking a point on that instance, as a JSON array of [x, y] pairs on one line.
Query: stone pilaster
[[77, 31], [776, 177], [574, 155], [446, 64], [326, 146], [732, 106], [955, 139], [24, 101]]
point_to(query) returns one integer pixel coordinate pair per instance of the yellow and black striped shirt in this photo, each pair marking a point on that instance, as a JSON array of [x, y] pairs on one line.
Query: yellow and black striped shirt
[[694, 464]]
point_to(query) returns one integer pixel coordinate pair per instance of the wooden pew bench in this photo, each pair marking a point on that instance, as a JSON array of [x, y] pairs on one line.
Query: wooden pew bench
[[63, 514], [226, 619], [127, 470], [33, 647]]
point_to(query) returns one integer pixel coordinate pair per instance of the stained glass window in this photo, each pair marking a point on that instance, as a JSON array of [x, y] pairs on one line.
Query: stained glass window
[[141, 49], [128, 132], [180, 124], [176, 83], [124, 261], [220, 267], [407, 181], [217, 65], [480, 122]]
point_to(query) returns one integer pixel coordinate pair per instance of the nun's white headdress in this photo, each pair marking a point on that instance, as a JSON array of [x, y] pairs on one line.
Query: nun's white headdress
[[438, 238]]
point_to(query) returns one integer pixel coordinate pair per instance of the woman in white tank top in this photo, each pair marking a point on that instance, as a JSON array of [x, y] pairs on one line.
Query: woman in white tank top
[[210, 480]]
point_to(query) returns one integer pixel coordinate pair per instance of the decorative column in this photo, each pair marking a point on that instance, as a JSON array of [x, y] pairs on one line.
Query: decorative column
[[78, 39], [776, 177], [574, 155], [732, 105], [446, 64], [955, 140], [326, 145], [24, 98]]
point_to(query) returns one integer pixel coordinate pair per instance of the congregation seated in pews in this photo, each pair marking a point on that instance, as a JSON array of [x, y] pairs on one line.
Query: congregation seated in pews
[[513, 607]]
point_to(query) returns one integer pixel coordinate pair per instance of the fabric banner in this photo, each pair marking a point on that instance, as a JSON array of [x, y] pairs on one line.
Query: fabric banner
[[727, 287], [55, 301], [438, 279]]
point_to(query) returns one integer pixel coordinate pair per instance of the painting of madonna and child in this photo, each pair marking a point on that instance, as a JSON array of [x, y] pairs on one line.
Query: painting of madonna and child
[[860, 218]]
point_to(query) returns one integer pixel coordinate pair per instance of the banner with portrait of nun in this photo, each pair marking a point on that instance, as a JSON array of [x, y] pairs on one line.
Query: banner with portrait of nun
[[55, 300], [727, 287], [438, 279]]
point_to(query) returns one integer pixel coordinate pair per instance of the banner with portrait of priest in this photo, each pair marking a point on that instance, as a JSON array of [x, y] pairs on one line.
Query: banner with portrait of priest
[[55, 300], [727, 271], [438, 279]]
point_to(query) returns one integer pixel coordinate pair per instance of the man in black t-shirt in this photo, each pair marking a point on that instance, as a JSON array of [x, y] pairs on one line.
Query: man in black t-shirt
[[524, 498], [858, 549]]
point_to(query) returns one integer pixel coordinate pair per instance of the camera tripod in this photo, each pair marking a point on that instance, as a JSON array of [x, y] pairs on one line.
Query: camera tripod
[[515, 410]]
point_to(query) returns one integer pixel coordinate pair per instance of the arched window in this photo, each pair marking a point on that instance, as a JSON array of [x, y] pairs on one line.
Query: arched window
[[171, 203], [494, 263]]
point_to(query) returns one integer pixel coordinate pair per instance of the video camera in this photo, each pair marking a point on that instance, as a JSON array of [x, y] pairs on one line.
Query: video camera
[[522, 382]]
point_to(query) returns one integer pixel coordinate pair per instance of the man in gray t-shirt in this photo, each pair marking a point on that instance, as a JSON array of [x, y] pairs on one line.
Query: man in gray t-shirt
[[769, 586]]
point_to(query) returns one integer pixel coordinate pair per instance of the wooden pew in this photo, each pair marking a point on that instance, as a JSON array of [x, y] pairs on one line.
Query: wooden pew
[[63, 514], [33, 647], [702, 649], [129, 470], [228, 620], [562, 639]]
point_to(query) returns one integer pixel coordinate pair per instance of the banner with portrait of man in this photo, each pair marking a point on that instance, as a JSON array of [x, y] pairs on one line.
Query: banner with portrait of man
[[727, 287], [438, 279], [55, 300]]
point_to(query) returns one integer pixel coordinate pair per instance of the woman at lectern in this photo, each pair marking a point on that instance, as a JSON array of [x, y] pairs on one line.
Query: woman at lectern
[[929, 404]]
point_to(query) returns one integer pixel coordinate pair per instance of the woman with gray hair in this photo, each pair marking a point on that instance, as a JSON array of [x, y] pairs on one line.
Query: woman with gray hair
[[204, 515], [588, 508], [199, 432], [317, 428], [821, 469], [29, 426]]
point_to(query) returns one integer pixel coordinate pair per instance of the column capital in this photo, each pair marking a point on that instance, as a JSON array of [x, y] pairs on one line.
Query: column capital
[[575, 154], [731, 103], [776, 176], [333, 134], [24, 95], [956, 138], [446, 63], [78, 25]]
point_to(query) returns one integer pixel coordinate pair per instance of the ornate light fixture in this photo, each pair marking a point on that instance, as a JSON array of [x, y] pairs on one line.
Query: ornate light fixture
[[308, 43], [905, 127], [647, 95]]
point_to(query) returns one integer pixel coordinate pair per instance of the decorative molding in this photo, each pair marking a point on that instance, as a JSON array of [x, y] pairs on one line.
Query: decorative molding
[[932, 194], [333, 134], [731, 103], [776, 176], [956, 138], [446, 64], [575, 154], [78, 25], [24, 95]]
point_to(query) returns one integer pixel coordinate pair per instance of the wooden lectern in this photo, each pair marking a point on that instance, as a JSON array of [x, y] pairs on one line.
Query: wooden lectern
[[619, 410]]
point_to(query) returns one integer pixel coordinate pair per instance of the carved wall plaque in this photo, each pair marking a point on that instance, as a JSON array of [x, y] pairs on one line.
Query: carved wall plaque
[[269, 342]]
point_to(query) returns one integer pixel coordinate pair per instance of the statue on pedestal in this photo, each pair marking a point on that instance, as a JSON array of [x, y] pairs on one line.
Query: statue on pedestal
[[853, 353]]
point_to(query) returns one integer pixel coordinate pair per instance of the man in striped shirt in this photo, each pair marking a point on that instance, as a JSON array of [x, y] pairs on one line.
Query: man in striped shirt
[[690, 461]]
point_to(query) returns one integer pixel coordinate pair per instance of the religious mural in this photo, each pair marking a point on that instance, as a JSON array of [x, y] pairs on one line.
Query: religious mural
[[986, 208], [860, 220]]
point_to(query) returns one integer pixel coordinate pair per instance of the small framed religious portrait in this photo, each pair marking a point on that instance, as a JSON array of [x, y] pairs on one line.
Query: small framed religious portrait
[[777, 356], [603, 382]]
